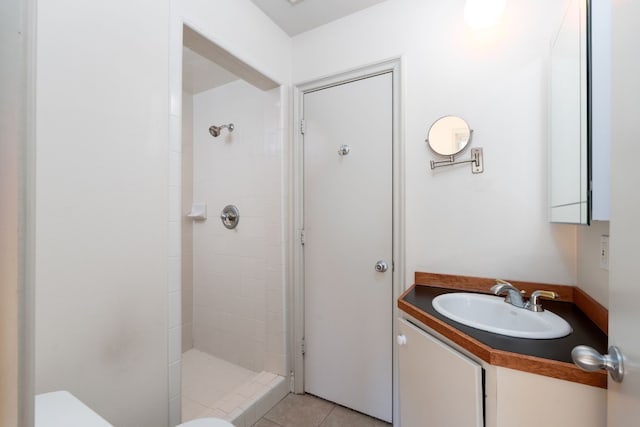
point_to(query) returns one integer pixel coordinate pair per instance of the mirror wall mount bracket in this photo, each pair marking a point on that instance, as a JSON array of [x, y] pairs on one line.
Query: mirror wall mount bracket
[[477, 162], [449, 136]]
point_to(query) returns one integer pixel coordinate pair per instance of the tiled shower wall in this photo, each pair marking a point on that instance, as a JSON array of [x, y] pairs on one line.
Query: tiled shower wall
[[238, 291], [187, 223]]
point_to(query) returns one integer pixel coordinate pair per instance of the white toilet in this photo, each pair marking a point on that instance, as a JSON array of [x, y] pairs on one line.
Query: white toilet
[[62, 409], [206, 422]]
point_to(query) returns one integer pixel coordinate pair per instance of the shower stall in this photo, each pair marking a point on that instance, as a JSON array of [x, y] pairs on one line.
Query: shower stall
[[234, 360]]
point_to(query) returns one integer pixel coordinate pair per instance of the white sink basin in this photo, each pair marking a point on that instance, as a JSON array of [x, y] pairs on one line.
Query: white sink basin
[[492, 314]]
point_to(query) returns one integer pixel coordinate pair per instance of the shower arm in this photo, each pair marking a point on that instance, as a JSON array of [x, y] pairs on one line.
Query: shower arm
[[215, 130]]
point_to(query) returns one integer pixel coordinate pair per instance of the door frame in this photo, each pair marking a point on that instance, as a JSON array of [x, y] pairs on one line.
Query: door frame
[[296, 186]]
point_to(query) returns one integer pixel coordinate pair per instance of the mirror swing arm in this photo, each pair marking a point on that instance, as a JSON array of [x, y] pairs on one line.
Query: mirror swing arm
[[449, 136], [476, 160]]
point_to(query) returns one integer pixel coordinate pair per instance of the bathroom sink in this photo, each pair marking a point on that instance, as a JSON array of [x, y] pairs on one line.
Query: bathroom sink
[[492, 314]]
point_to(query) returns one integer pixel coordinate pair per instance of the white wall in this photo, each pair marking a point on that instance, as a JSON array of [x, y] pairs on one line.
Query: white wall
[[102, 156], [493, 224], [591, 278], [12, 127], [238, 274]]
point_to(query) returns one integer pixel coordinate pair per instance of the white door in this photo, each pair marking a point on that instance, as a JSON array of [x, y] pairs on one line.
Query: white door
[[624, 291], [347, 229]]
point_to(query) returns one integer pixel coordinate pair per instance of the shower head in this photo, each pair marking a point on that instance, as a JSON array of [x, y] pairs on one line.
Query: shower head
[[215, 130]]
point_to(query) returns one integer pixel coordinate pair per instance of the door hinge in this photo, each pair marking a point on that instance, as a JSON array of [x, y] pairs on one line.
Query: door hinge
[[303, 347], [302, 128], [302, 237]]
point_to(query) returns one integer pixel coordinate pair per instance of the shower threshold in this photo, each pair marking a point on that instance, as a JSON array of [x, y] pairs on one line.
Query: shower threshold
[[212, 387]]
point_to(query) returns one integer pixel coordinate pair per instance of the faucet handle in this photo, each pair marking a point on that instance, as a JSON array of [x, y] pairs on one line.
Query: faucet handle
[[513, 294], [534, 301]]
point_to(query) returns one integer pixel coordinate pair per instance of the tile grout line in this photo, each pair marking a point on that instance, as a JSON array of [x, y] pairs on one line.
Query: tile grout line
[[333, 406], [265, 418]]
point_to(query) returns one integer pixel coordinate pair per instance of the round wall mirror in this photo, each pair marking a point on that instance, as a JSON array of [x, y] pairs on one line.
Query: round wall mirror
[[449, 135]]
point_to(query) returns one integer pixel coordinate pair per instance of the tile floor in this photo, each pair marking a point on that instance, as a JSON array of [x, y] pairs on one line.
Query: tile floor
[[310, 411]]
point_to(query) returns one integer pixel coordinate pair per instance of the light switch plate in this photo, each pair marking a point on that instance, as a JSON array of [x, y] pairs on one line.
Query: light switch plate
[[604, 252]]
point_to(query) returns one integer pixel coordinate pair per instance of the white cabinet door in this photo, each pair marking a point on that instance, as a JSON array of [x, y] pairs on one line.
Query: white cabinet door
[[438, 385]]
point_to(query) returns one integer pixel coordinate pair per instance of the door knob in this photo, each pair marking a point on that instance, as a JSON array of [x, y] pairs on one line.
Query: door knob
[[344, 150], [589, 359], [381, 266]]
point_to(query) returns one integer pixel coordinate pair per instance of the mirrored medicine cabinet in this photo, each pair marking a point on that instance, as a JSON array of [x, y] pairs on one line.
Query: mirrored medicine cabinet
[[580, 115]]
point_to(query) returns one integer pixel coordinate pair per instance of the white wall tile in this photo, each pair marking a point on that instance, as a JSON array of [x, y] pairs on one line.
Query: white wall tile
[[174, 239], [175, 214], [174, 345], [187, 336], [175, 309], [174, 274], [175, 134], [175, 104], [175, 167], [186, 149], [187, 305], [174, 379], [232, 267], [175, 411]]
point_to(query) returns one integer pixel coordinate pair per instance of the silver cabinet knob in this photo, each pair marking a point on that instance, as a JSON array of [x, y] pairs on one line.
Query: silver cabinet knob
[[589, 359], [401, 339], [381, 266], [344, 150]]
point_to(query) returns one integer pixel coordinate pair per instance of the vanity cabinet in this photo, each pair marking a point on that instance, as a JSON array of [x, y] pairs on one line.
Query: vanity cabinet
[[440, 384], [528, 400]]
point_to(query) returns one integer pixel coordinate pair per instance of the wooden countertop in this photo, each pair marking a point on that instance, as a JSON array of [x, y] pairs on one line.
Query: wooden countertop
[[550, 357]]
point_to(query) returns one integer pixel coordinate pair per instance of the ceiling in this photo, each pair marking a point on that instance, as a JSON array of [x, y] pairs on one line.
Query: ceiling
[[305, 15], [201, 73]]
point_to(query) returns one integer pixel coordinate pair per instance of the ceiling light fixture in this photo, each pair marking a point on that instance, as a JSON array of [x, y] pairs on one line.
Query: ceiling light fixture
[[482, 14]]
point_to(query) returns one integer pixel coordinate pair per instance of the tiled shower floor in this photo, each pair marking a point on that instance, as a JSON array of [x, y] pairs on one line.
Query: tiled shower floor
[[212, 387]]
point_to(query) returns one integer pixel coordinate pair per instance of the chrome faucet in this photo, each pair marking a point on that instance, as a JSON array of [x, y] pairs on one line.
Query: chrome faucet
[[514, 295], [534, 302]]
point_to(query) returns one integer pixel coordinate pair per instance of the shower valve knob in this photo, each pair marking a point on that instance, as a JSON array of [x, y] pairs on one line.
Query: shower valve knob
[[230, 216]]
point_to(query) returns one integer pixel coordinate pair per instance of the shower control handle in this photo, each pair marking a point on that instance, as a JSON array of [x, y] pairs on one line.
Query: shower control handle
[[230, 216]]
